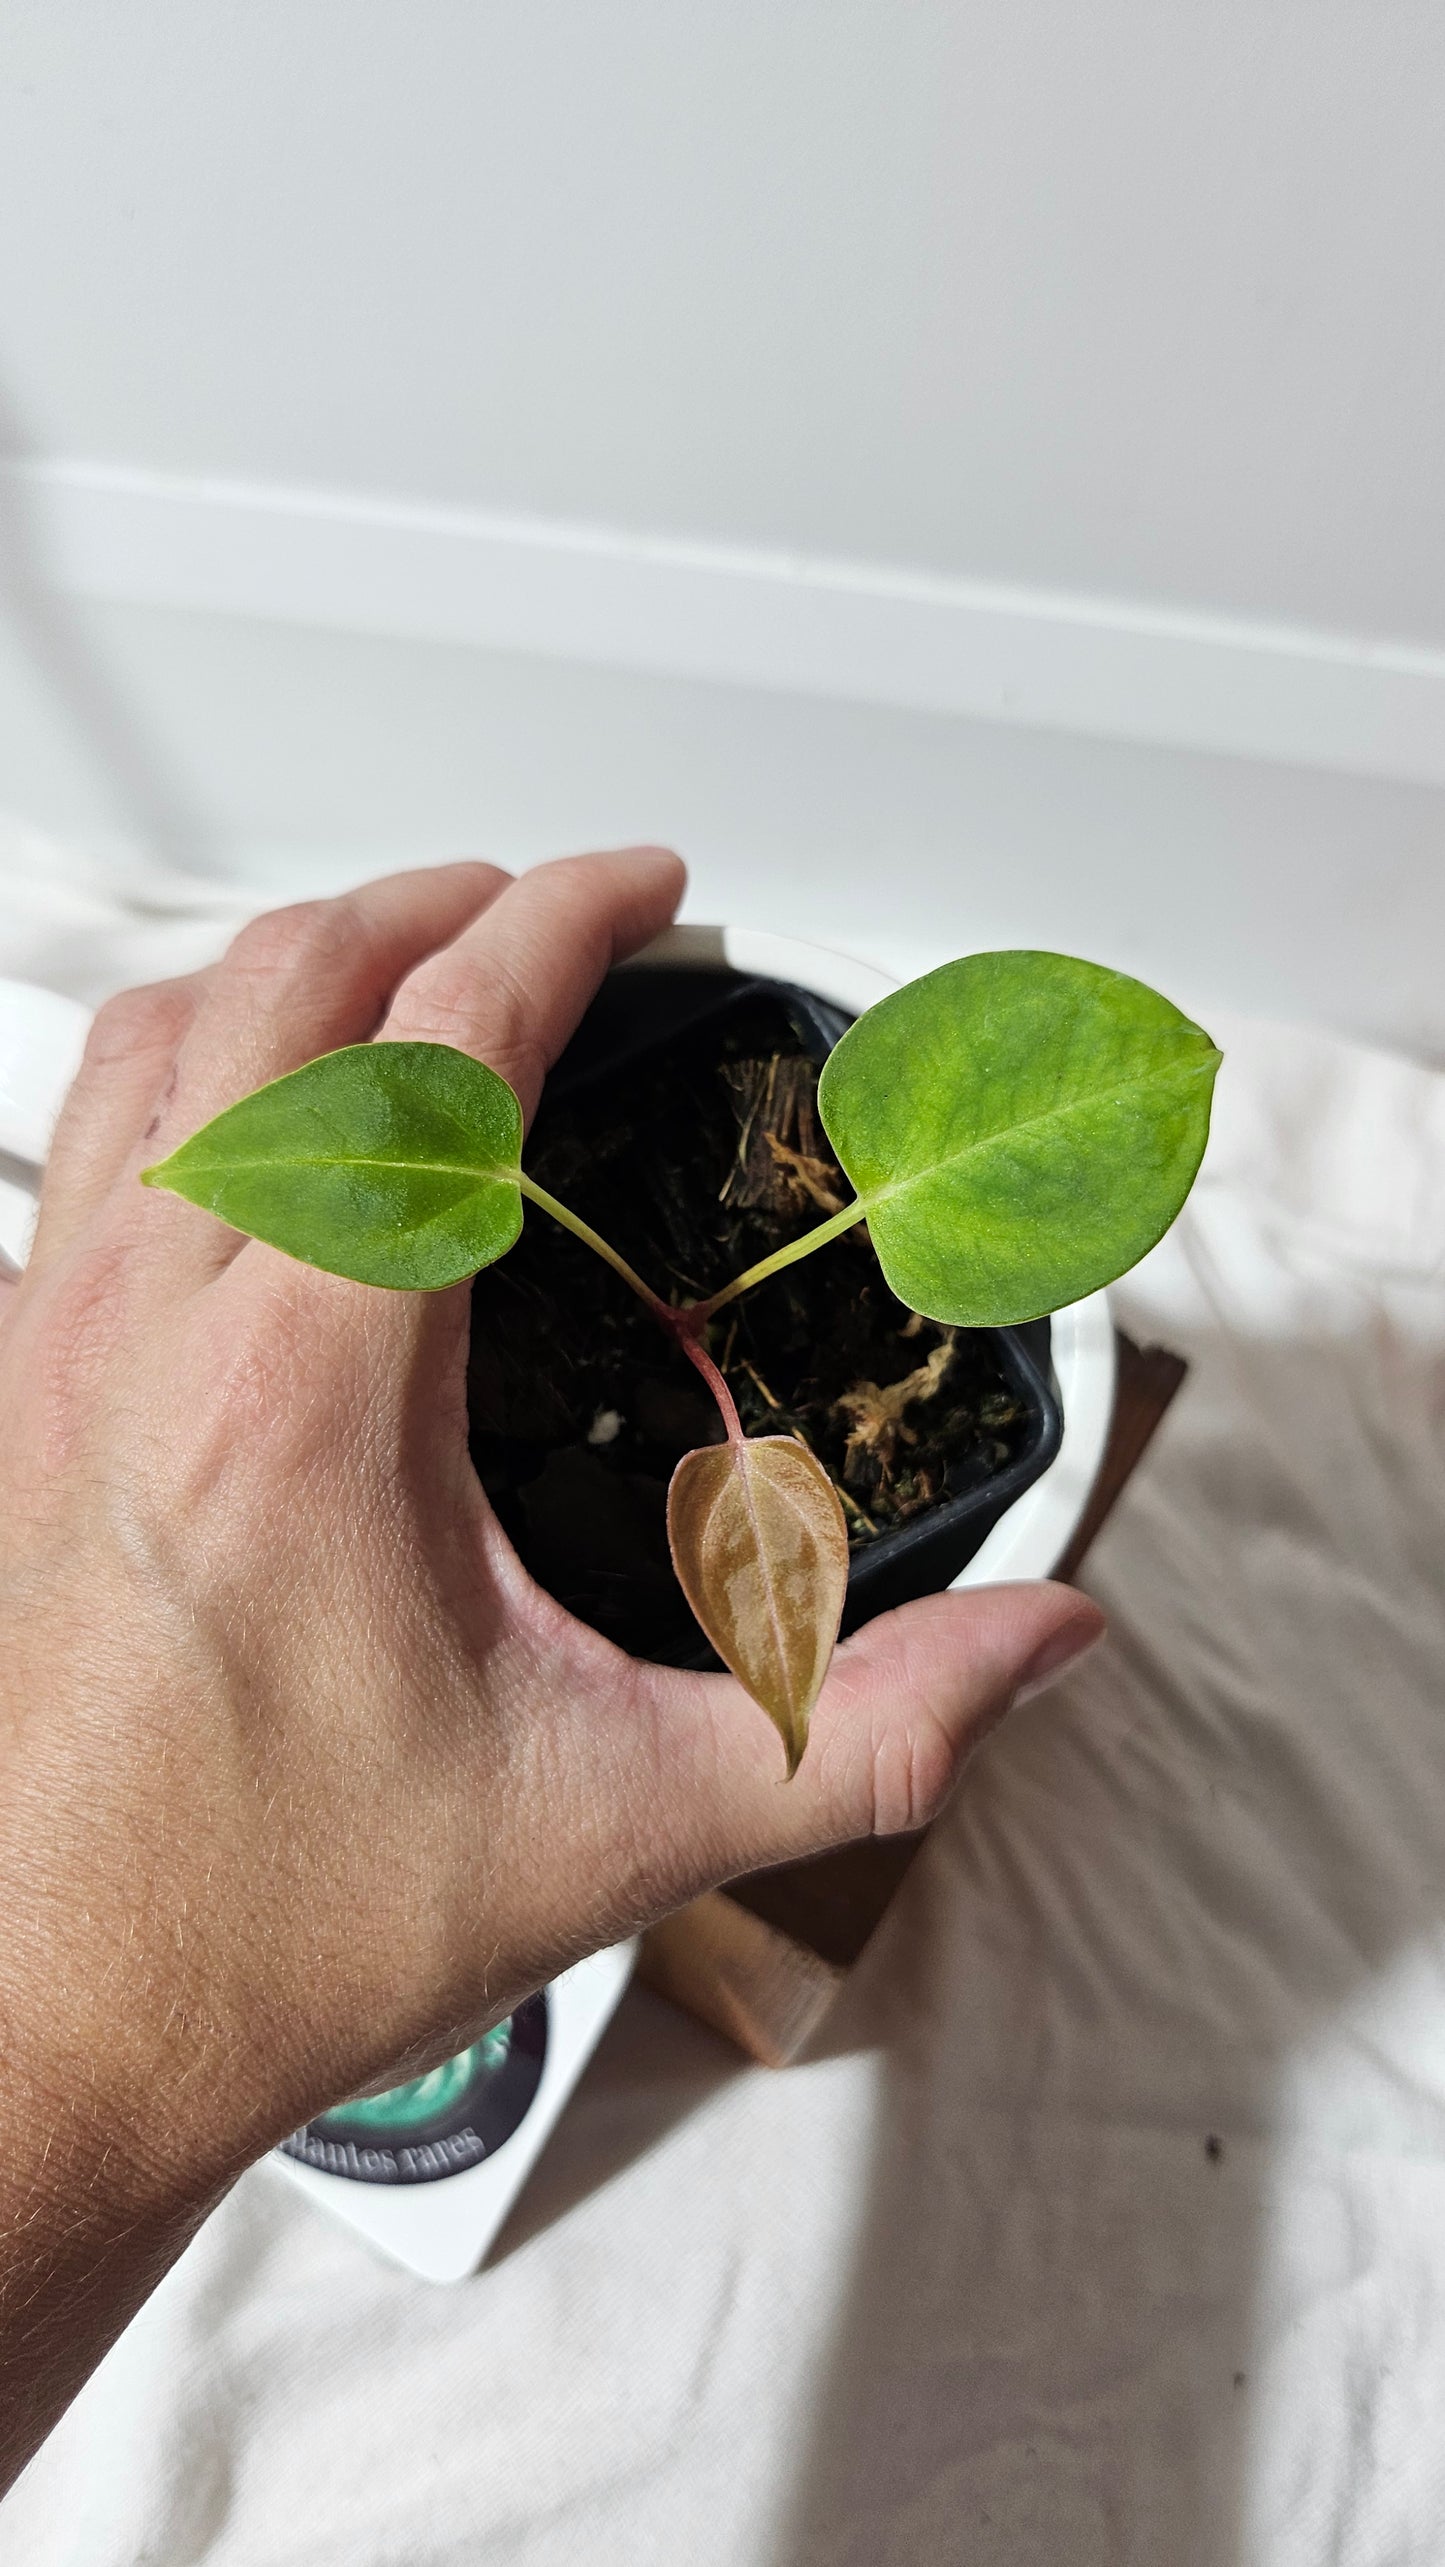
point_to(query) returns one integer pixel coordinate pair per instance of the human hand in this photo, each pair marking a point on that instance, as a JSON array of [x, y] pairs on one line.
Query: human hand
[[304, 1780]]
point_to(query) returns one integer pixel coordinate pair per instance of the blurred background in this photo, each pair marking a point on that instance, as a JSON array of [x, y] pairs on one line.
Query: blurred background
[[962, 473]]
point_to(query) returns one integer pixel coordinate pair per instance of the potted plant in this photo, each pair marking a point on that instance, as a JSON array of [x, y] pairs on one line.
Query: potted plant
[[664, 1364]]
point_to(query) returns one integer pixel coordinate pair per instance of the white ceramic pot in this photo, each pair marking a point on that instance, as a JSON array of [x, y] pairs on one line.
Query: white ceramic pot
[[1031, 1539], [41, 1039]]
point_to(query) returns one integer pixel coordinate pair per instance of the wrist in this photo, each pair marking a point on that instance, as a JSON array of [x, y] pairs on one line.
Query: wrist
[[117, 2073], [92, 2215], [80, 2117], [136, 2034]]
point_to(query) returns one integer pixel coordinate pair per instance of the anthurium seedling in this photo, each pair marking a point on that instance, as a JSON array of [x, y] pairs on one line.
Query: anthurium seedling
[[1019, 1128]]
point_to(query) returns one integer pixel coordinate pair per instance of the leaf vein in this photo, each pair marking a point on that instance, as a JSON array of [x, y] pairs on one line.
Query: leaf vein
[[1029, 1123], [231, 1166]]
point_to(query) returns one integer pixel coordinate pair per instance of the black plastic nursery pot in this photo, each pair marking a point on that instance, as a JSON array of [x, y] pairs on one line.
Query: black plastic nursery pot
[[681, 1124]]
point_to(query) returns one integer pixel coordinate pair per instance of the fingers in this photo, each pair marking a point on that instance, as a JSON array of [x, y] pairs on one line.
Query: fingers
[[513, 985], [510, 989], [905, 1702], [301, 981], [294, 983]]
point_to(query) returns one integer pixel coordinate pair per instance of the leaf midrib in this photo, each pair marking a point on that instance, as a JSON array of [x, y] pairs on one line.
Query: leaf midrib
[[744, 1463], [230, 1165], [1009, 1131]]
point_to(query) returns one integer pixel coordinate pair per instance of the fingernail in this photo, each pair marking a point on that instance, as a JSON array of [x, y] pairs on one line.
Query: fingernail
[[1073, 1640]]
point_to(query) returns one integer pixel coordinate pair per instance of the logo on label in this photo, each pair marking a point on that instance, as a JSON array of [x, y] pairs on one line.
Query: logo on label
[[438, 2124]]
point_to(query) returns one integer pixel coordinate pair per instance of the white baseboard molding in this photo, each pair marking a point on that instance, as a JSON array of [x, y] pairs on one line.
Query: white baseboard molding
[[838, 629]]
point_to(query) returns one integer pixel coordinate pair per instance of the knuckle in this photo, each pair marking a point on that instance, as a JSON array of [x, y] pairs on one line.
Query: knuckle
[[483, 880], [523, 1064], [911, 1771], [136, 1022], [447, 994], [563, 876], [485, 1010], [282, 942], [652, 1873], [575, 892]]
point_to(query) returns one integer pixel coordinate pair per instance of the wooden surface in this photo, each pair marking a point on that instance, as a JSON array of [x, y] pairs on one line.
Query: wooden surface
[[764, 1989], [762, 1960], [1149, 1376]]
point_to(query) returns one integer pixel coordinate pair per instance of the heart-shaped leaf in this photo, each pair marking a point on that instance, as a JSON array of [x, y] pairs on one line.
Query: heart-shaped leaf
[[1020, 1128], [761, 1551], [393, 1163]]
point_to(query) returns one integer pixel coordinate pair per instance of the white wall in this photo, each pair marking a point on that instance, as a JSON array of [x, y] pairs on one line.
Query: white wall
[[999, 440], [1125, 297]]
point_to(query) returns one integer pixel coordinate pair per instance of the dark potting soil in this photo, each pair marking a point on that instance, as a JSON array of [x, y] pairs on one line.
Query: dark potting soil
[[694, 1162]]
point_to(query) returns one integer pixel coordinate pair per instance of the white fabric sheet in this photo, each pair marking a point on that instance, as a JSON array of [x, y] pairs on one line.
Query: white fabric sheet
[[1108, 2223]]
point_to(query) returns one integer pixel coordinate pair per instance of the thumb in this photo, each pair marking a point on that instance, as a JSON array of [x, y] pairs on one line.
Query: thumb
[[905, 1702]]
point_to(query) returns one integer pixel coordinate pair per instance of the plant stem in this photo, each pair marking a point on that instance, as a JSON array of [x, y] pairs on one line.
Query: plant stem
[[581, 1230], [683, 1326], [833, 1228], [698, 1354], [686, 1326]]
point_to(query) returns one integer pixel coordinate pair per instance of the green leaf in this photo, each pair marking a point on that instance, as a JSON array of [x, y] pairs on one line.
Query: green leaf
[[393, 1163], [1020, 1128]]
